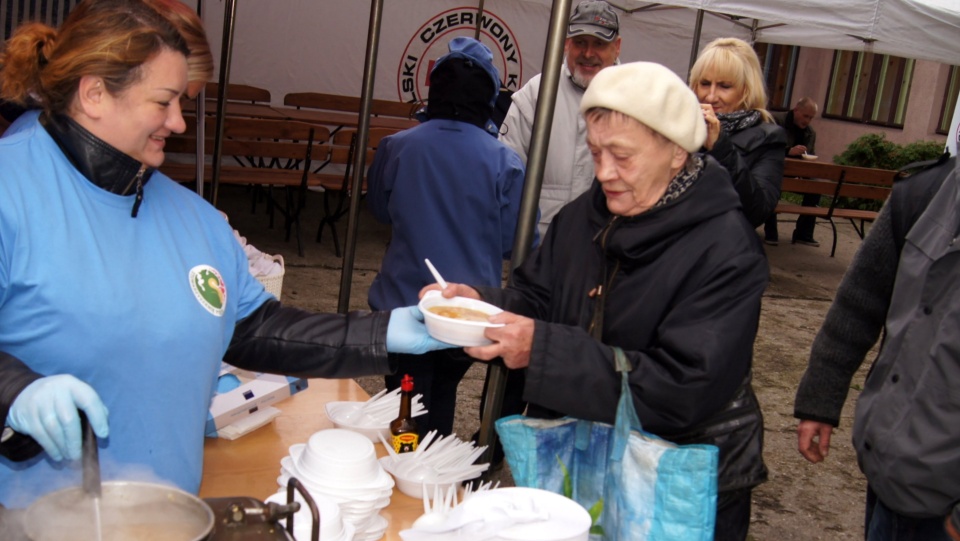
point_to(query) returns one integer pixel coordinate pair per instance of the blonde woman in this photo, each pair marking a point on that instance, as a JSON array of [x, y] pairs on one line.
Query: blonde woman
[[741, 134]]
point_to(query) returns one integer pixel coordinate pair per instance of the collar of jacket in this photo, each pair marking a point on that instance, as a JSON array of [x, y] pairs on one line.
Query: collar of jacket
[[103, 165]]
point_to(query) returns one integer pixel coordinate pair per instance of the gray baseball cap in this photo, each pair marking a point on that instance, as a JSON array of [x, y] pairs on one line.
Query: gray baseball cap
[[595, 18]]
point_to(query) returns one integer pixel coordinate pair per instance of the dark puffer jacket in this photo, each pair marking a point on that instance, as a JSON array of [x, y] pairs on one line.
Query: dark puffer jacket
[[682, 285], [754, 157]]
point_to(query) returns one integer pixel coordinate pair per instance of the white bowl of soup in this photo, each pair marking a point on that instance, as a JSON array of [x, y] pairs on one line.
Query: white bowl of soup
[[459, 321]]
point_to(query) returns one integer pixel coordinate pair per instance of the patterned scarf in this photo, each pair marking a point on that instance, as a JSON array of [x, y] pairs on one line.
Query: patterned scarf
[[734, 122], [684, 179]]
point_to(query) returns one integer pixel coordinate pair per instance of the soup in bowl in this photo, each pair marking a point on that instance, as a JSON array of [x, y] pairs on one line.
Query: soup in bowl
[[459, 321]]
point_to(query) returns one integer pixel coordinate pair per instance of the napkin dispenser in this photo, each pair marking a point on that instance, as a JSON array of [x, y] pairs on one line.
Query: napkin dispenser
[[242, 402]]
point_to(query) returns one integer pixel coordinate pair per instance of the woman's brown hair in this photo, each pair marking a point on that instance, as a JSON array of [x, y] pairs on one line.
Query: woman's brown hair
[[110, 39]]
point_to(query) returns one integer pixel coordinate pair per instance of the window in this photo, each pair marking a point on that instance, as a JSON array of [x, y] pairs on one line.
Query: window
[[51, 12], [949, 100], [779, 63], [869, 88]]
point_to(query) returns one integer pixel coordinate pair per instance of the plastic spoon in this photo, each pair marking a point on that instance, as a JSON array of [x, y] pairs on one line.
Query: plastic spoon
[[436, 275]]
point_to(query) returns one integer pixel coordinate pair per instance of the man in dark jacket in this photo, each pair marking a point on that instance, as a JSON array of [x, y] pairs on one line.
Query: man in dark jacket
[[906, 431], [801, 140]]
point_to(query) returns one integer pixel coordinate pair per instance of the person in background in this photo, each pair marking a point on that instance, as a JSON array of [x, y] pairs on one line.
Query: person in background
[[199, 62], [451, 193], [801, 140], [906, 430], [592, 44], [121, 291], [658, 260], [741, 134]]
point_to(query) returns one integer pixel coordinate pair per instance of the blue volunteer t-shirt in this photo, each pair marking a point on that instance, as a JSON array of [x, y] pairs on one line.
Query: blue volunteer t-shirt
[[140, 308]]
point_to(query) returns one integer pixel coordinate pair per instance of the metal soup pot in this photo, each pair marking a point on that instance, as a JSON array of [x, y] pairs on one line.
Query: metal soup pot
[[129, 511]]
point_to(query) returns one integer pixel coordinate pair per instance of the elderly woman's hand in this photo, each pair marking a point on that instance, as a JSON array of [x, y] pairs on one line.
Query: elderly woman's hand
[[713, 126], [513, 341], [452, 290]]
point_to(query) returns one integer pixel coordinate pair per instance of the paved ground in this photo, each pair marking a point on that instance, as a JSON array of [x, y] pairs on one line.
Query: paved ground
[[800, 502]]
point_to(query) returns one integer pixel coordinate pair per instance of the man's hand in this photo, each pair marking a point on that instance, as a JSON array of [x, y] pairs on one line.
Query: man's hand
[[513, 341], [46, 410], [813, 440], [797, 150]]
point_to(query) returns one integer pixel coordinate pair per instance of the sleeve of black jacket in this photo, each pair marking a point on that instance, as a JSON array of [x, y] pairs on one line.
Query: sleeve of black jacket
[[758, 176], [285, 340], [14, 377]]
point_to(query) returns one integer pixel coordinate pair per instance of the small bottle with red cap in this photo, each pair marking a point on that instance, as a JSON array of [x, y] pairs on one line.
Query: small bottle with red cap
[[404, 433]]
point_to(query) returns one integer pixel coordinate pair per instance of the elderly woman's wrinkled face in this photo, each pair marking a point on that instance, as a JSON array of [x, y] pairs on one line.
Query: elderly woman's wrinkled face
[[138, 121], [719, 92], [633, 163]]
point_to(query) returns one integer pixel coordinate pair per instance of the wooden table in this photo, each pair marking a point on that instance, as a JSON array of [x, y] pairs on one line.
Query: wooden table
[[250, 465], [337, 119]]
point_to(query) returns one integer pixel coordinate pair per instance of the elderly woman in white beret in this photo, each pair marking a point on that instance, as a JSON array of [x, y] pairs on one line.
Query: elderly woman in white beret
[[658, 259]]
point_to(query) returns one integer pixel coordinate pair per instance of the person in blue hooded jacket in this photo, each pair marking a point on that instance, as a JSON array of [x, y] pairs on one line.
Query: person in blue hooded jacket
[[451, 192]]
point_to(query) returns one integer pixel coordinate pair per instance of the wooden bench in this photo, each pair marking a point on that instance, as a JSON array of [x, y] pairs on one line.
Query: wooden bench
[[239, 92], [836, 182], [265, 153], [336, 102]]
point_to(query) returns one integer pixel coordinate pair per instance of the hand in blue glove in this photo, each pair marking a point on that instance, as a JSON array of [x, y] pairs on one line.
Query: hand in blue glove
[[406, 333], [46, 410]]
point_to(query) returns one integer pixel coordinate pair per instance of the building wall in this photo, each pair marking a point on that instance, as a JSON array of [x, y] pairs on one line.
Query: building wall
[[833, 136]]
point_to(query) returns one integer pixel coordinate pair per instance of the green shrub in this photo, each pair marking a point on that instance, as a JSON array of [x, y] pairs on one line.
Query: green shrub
[[873, 150]]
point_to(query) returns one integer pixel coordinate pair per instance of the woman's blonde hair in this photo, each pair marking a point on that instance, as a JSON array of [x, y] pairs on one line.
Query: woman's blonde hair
[[110, 39], [186, 20], [734, 60]]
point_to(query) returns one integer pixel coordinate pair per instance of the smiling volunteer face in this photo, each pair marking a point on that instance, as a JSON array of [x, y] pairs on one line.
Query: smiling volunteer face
[[586, 55], [138, 120]]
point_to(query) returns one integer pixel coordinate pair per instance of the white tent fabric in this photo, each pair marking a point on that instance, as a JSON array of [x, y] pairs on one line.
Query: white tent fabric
[[320, 46], [922, 29]]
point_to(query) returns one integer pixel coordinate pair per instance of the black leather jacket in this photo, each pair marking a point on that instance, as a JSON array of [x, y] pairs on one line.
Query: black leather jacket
[[754, 158], [274, 338]]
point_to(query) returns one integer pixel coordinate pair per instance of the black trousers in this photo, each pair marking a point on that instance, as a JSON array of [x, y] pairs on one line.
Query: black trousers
[[733, 515], [436, 375]]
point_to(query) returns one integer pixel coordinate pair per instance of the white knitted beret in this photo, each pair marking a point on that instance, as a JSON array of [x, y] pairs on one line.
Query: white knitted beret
[[653, 95]]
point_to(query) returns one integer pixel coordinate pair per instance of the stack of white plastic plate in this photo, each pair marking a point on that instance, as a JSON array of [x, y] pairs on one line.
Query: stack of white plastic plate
[[332, 525], [342, 465]]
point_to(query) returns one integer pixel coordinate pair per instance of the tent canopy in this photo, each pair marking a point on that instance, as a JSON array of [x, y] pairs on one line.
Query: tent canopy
[[922, 29]]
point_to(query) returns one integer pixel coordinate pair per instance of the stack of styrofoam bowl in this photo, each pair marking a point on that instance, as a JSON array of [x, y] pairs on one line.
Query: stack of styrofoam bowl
[[332, 525], [443, 463], [342, 466]]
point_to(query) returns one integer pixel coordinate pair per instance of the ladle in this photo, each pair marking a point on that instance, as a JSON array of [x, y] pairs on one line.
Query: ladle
[[91, 459]]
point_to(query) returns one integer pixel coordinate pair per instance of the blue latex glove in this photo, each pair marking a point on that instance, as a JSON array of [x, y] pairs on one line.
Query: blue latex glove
[[406, 333], [46, 410]]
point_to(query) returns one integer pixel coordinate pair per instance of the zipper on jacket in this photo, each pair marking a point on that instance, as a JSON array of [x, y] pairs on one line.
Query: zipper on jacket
[[606, 280], [139, 199]]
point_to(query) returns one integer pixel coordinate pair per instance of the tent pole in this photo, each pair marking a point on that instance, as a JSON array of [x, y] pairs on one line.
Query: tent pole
[[527, 220], [476, 33], [226, 54], [695, 50], [360, 154], [201, 126]]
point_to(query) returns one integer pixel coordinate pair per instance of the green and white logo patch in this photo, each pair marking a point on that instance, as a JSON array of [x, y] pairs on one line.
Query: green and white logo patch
[[209, 289]]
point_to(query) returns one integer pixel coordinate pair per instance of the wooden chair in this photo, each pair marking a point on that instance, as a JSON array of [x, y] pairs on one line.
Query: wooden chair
[[342, 149]]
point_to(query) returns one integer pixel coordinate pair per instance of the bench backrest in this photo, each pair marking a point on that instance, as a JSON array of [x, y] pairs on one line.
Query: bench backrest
[[254, 141], [239, 92], [336, 102], [837, 180]]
